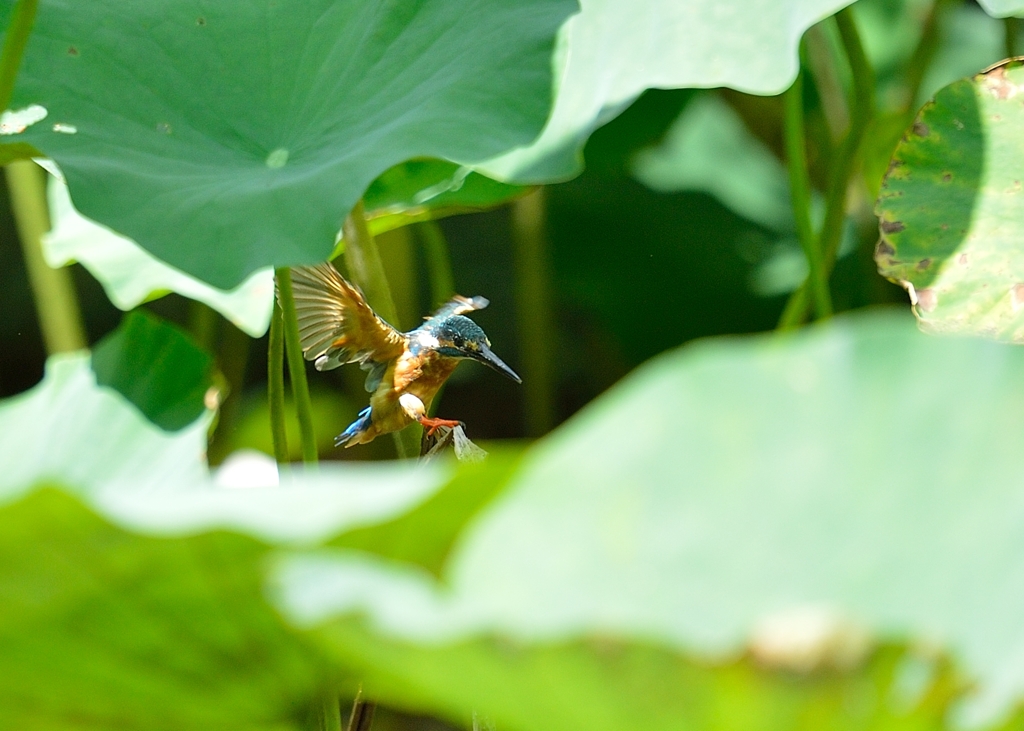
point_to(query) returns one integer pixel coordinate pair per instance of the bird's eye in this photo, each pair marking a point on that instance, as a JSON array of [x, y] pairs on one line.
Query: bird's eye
[[458, 341]]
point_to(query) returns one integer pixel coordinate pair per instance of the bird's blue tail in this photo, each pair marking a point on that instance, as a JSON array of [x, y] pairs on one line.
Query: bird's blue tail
[[356, 427]]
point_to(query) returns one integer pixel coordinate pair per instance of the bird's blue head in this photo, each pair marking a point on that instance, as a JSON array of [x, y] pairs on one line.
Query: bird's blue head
[[459, 337]]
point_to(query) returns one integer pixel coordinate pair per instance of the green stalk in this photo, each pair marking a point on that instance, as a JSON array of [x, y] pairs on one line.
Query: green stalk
[[275, 386], [800, 195], [362, 258], [52, 289], [862, 106], [1010, 38], [202, 324], [18, 31], [59, 317], [534, 309], [439, 262], [817, 57], [296, 365]]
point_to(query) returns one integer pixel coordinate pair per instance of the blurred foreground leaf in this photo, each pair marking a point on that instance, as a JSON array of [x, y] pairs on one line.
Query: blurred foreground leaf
[[70, 431], [425, 535], [951, 210], [100, 628], [228, 138], [157, 367], [734, 493], [603, 684]]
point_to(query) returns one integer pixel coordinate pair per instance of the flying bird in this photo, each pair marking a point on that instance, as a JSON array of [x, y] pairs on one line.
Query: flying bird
[[405, 370]]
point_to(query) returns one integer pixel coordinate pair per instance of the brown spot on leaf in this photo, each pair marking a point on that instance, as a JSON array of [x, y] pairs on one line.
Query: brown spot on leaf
[[200, 20], [946, 177], [1017, 297], [998, 85], [962, 260], [921, 129], [927, 299], [923, 264], [944, 226], [891, 227], [72, 51], [883, 249]]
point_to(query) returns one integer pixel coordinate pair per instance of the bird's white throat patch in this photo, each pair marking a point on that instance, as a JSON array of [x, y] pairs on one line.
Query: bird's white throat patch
[[423, 339]]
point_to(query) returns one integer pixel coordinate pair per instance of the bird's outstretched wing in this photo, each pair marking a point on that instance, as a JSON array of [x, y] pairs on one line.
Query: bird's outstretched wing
[[336, 325], [458, 305]]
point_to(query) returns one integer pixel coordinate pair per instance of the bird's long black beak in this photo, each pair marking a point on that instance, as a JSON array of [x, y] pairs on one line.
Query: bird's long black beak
[[486, 355]]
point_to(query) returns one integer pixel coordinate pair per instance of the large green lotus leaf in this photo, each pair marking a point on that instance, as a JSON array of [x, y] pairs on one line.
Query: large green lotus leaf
[[226, 138], [614, 49], [855, 474], [950, 208], [130, 275]]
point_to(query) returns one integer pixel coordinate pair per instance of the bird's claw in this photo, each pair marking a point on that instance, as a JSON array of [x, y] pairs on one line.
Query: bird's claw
[[433, 425]]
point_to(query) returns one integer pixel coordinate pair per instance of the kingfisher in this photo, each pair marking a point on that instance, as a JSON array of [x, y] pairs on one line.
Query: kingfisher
[[405, 370]]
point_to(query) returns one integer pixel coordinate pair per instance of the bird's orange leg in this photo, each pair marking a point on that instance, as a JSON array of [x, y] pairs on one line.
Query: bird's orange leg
[[433, 425]]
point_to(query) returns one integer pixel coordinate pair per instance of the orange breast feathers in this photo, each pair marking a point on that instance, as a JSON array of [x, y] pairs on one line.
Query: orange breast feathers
[[422, 375]]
